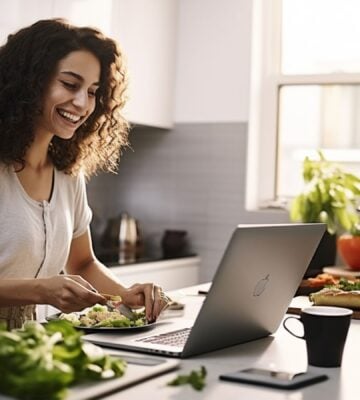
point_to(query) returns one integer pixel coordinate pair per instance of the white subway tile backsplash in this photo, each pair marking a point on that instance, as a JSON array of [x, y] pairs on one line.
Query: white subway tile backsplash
[[192, 178]]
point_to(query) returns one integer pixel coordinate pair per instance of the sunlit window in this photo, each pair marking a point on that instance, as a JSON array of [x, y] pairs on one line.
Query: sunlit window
[[305, 92], [320, 36], [312, 117]]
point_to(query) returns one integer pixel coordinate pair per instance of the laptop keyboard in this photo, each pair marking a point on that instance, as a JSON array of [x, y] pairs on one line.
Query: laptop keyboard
[[174, 338]]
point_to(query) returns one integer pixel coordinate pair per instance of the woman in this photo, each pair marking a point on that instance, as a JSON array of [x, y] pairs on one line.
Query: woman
[[61, 92]]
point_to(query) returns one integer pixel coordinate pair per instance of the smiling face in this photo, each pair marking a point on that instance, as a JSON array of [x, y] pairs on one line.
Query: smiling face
[[70, 97]]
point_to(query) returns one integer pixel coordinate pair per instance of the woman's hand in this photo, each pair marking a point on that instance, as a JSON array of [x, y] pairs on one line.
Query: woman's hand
[[70, 293], [149, 295]]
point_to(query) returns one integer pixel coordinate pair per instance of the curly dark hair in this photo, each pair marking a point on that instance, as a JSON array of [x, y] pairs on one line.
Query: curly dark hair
[[28, 61]]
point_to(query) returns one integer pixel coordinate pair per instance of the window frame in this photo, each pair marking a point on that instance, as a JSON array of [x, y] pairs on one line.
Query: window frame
[[265, 83]]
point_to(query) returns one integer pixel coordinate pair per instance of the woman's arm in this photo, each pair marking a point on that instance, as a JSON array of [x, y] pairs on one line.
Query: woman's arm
[[83, 262], [19, 292], [67, 293]]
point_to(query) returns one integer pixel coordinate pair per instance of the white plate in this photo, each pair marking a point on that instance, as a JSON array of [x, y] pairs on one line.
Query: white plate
[[55, 317], [342, 271]]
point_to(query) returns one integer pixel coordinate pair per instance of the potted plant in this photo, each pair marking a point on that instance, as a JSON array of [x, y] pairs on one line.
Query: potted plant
[[331, 196]]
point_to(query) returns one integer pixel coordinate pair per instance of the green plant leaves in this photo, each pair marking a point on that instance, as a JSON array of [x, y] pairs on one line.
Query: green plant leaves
[[330, 195]]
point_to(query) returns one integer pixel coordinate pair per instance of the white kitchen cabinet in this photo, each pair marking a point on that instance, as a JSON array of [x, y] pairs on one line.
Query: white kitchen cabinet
[[96, 13], [169, 274], [146, 31], [17, 14], [20, 13]]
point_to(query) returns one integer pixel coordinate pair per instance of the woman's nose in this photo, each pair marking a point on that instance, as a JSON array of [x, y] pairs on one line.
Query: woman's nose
[[80, 99]]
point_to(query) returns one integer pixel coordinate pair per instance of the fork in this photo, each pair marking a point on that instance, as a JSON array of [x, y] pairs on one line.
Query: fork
[[114, 303], [126, 311]]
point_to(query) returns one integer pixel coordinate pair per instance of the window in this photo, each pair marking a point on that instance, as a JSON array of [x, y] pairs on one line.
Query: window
[[305, 92]]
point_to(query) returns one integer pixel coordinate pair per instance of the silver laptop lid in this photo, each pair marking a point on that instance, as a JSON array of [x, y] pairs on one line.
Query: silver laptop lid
[[258, 276]]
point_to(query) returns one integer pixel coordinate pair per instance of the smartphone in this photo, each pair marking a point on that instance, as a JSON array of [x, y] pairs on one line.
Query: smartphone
[[275, 379]]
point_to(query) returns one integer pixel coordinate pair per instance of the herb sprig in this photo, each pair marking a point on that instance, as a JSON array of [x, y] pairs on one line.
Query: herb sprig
[[195, 378]]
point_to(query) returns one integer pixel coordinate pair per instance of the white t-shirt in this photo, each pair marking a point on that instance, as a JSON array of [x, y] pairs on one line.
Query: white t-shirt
[[35, 237]]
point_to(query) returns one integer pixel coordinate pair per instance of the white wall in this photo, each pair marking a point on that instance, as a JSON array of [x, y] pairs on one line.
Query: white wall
[[213, 61]]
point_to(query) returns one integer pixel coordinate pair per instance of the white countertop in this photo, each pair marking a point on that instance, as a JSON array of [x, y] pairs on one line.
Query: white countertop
[[280, 350]]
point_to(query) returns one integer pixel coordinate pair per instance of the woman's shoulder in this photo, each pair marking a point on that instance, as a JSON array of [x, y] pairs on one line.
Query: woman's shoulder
[[72, 182], [5, 171], [69, 177], [3, 166], [7, 180]]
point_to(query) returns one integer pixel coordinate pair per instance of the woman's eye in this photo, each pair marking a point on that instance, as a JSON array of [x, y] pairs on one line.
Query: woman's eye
[[69, 85], [92, 93]]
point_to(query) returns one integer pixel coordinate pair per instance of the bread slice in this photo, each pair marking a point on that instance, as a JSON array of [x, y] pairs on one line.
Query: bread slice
[[336, 297]]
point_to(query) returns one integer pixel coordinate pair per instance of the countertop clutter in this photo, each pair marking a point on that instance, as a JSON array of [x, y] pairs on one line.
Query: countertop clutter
[[121, 241], [279, 351], [148, 376]]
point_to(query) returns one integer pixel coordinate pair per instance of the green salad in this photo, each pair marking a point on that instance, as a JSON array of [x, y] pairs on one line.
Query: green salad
[[100, 316], [40, 362], [346, 285]]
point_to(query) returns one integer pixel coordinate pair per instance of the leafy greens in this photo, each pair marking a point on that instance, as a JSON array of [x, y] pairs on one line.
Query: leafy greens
[[40, 362], [346, 285]]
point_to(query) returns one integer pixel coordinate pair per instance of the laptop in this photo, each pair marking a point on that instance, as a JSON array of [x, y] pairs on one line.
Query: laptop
[[256, 280]]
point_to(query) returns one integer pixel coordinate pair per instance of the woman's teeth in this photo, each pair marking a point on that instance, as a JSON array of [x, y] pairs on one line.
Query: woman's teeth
[[69, 116]]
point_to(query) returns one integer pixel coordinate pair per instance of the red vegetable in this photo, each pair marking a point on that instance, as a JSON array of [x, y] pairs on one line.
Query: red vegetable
[[349, 249]]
